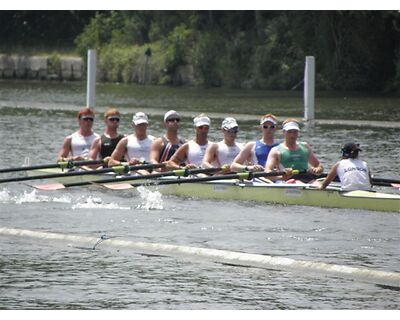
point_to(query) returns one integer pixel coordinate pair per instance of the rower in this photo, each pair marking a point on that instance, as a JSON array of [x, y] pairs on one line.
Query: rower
[[292, 154], [222, 153], [191, 153], [353, 173], [103, 147], [76, 146], [164, 147], [254, 154], [136, 146]]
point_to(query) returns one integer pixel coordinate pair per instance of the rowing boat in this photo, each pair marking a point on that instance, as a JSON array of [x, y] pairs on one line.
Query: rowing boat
[[286, 194], [259, 191]]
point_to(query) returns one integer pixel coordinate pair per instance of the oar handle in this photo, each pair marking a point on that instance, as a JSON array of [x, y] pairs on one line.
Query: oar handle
[[117, 169], [62, 164], [177, 173], [240, 175]]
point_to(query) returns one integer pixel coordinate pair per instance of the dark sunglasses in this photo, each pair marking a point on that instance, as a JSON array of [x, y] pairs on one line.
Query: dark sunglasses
[[87, 119], [269, 127], [174, 119], [202, 127], [233, 130], [113, 119]]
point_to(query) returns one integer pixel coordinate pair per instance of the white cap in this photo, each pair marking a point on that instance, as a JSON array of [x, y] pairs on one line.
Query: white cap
[[229, 123], [270, 119], [140, 117], [201, 121], [171, 114], [291, 126]]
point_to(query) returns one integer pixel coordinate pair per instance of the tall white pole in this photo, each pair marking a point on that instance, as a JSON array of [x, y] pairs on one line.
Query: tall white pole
[[309, 89], [91, 79]]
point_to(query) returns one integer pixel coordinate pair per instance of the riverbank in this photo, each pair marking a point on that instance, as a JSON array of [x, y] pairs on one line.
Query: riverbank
[[41, 67]]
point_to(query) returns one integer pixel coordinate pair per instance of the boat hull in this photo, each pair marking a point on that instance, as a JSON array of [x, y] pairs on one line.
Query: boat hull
[[263, 192], [286, 195]]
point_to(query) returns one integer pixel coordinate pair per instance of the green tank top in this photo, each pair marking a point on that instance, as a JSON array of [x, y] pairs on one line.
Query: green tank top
[[297, 160]]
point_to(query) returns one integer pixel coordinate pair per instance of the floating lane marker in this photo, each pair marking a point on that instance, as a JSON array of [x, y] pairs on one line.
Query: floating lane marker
[[384, 278]]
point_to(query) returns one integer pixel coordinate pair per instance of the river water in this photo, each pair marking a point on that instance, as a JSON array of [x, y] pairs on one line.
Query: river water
[[44, 274]]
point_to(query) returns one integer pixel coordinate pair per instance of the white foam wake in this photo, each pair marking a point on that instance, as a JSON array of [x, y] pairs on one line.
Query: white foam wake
[[151, 200], [97, 203]]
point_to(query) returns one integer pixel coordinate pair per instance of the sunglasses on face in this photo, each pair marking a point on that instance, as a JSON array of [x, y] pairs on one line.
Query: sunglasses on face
[[171, 120], [233, 130], [269, 127], [202, 127], [113, 119], [87, 119]]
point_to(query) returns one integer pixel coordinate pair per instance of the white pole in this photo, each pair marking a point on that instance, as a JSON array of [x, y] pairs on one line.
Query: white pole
[[309, 89], [91, 79]]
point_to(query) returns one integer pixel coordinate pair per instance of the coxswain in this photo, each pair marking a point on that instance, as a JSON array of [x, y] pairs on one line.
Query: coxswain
[[353, 172]]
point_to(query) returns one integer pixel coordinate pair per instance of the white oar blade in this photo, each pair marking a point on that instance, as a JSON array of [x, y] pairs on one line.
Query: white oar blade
[[118, 186], [396, 185], [50, 187]]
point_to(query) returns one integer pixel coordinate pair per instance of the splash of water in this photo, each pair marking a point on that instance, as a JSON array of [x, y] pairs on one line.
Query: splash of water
[[29, 197], [4, 195], [97, 203], [151, 200]]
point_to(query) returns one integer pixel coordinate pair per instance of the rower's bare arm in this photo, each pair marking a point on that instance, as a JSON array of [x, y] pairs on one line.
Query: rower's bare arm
[[94, 153], [273, 164], [273, 160], [65, 149], [316, 166], [243, 158], [210, 156], [95, 149], [118, 153], [331, 175], [155, 150], [179, 157]]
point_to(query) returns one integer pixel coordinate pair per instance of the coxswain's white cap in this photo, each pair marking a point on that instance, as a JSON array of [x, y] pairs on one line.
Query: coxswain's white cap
[[171, 114], [292, 125], [140, 117], [270, 119], [201, 121], [229, 123]]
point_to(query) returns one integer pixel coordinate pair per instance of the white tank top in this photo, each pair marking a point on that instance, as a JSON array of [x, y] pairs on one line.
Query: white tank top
[[226, 154], [139, 149], [80, 145], [196, 152], [353, 175]]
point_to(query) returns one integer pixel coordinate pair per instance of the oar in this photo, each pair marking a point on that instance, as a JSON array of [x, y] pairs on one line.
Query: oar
[[390, 181], [62, 164], [241, 176], [180, 173], [381, 182], [116, 169]]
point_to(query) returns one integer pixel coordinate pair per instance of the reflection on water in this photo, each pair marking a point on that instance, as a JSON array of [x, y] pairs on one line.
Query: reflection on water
[[339, 105]]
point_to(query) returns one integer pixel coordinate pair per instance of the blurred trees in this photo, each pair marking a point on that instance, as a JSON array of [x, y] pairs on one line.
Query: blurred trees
[[354, 50]]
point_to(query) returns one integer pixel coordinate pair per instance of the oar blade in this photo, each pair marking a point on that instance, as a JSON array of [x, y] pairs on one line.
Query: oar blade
[[50, 187], [396, 185], [118, 186]]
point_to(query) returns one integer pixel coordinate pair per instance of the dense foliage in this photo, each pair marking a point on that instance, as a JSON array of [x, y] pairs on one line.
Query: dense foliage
[[354, 50]]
